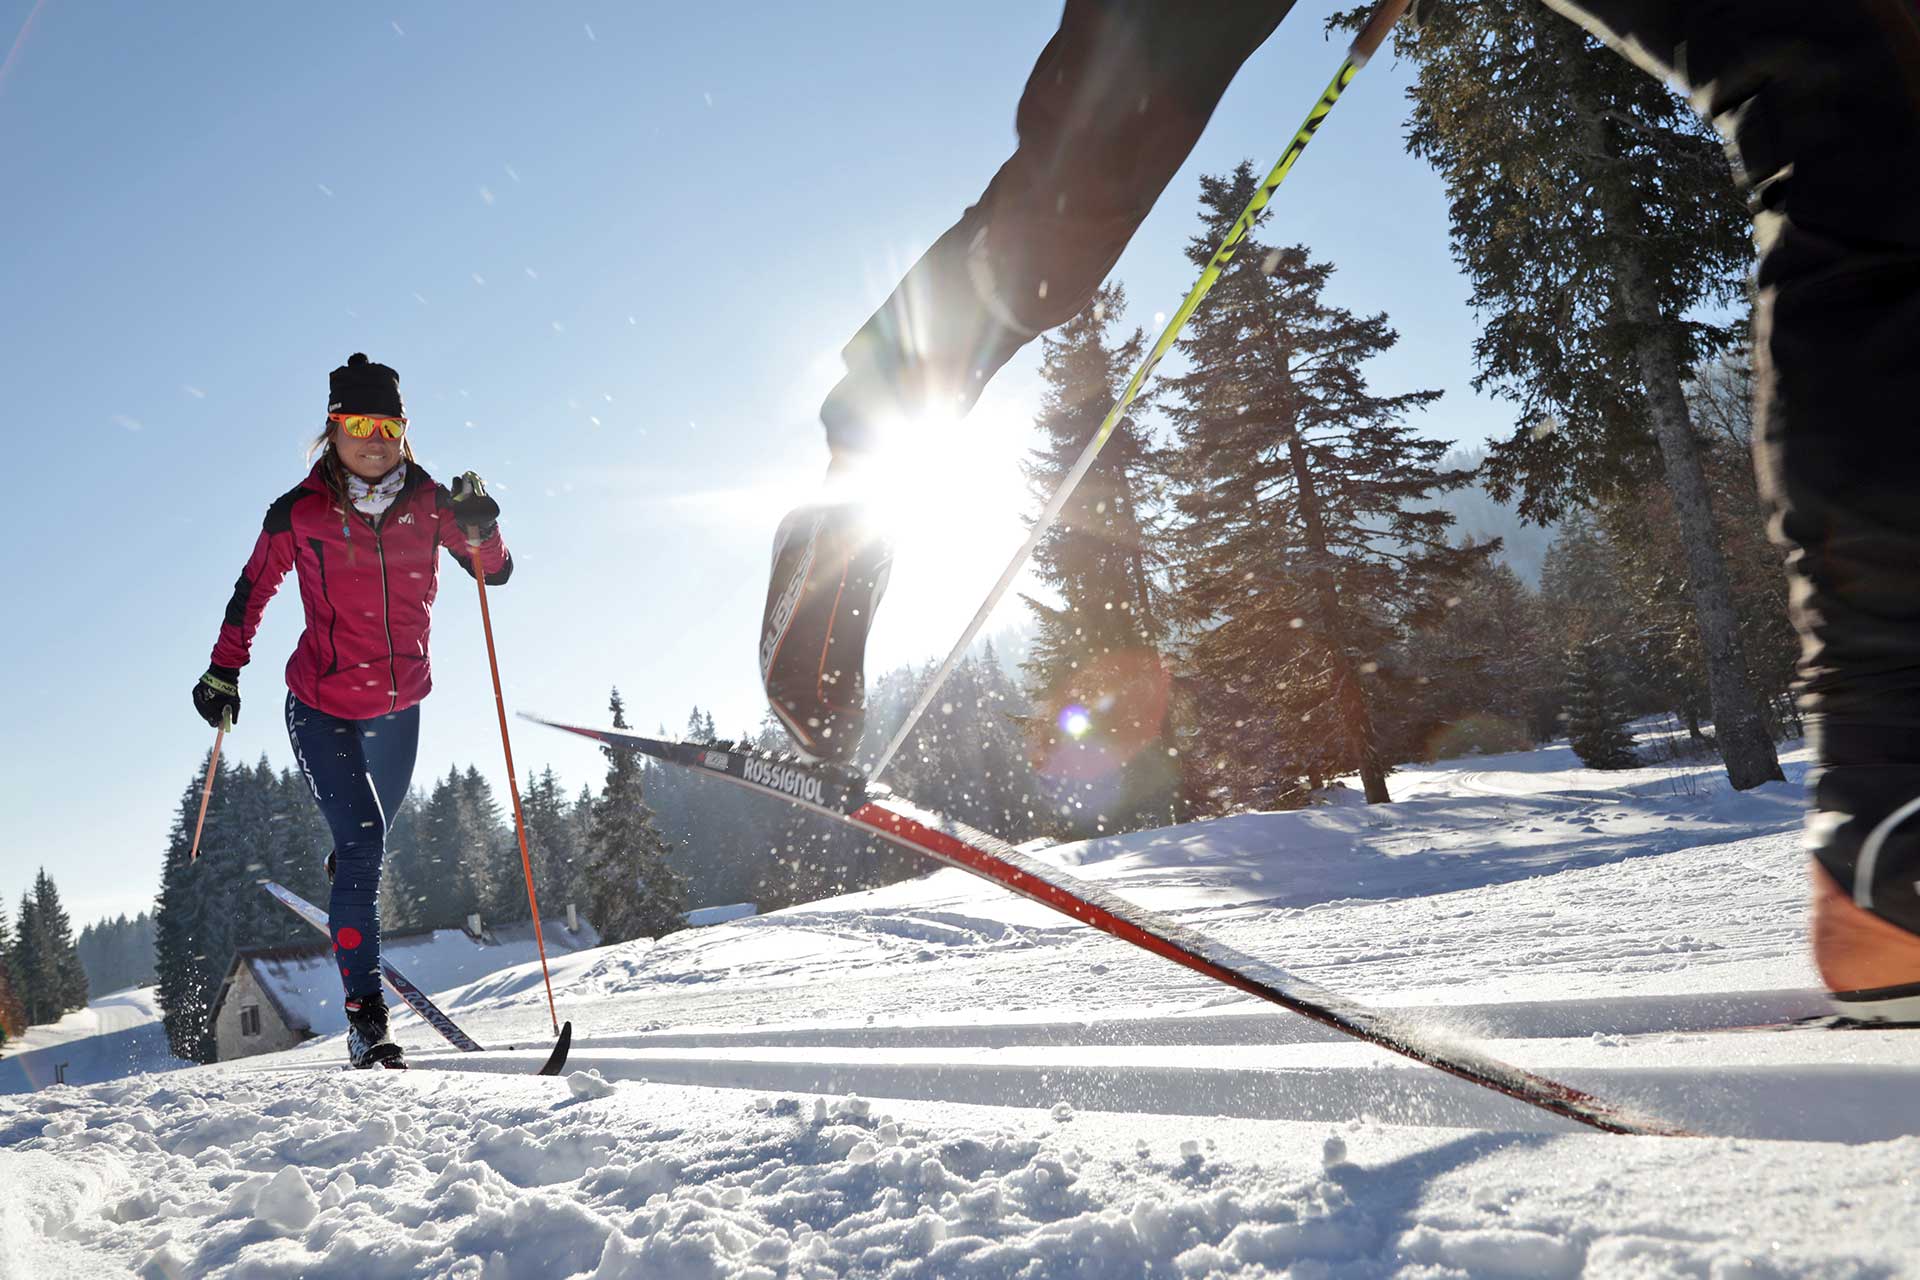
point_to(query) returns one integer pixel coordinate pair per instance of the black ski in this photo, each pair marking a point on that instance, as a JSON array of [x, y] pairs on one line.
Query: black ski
[[845, 796], [415, 998]]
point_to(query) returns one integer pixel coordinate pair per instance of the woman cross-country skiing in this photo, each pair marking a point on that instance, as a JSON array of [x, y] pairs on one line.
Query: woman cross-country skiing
[[364, 531]]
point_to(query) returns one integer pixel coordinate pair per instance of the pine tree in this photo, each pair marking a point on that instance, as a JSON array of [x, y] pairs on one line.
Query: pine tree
[[1596, 217], [632, 891], [1481, 679], [579, 825], [24, 959], [454, 840], [1651, 564], [967, 759], [13, 1010], [299, 845], [1102, 723], [180, 915], [44, 957], [552, 844], [248, 855], [59, 958], [1596, 718], [717, 832], [405, 891], [492, 850], [203, 905], [1306, 544], [1008, 786]]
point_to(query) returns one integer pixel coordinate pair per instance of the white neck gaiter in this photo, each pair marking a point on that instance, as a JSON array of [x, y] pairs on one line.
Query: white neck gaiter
[[373, 497]]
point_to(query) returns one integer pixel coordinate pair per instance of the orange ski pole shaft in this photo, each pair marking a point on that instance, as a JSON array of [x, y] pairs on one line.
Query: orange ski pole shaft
[[513, 785], [206, 792]]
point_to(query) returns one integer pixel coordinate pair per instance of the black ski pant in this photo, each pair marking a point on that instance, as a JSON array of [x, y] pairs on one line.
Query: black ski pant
[[1819, 103]]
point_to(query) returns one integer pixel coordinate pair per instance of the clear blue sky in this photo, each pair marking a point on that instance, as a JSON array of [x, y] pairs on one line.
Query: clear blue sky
[[612, 250]]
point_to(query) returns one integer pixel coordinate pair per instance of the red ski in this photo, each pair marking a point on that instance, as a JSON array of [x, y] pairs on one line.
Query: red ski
[[845, 796]]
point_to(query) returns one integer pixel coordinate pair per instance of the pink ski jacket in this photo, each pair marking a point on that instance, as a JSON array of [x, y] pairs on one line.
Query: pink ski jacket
[[368, 593]]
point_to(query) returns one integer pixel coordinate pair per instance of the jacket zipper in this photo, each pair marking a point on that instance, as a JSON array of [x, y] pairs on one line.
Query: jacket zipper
[[386, 601], [386, 618], [386, 607]]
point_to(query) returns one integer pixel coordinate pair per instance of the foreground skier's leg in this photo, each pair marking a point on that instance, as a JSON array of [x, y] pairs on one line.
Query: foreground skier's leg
[[1114, 104], [1820, 103]]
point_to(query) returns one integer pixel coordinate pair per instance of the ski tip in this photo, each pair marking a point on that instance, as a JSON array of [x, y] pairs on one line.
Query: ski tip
[[557, 1060]]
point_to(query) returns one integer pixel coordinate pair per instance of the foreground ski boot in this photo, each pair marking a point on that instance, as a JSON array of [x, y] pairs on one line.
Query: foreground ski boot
[[368, 1044], [1871, 966], [830, 569]]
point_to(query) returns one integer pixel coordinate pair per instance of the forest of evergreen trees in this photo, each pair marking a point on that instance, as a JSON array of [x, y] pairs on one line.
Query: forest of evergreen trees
[[1260, 587], [118, 953]]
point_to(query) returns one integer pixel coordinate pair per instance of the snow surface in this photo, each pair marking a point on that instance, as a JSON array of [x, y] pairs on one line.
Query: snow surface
[[115, 1035], [936, 1079]]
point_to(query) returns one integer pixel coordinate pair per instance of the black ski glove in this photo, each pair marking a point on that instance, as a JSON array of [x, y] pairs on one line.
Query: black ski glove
[[476, 512], [216, 692]]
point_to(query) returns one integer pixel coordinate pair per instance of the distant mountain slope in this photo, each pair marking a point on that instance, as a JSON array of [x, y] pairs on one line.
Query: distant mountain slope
[[1478, 517]]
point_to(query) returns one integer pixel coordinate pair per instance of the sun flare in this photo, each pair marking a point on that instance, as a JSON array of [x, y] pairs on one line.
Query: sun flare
[[951, 494]]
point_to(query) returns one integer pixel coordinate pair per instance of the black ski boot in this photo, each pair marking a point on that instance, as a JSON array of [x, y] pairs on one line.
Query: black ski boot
[[830, 569], [368, 1044]]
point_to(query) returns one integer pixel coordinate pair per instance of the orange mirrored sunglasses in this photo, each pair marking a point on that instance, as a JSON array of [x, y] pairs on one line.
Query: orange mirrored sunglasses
[[361, 426]]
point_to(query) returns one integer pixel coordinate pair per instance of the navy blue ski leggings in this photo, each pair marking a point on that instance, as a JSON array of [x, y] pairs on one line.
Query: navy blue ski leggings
[[359, 771]]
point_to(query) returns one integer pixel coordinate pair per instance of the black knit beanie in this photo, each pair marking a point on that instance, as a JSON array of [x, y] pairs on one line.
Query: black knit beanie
[[361, 386]]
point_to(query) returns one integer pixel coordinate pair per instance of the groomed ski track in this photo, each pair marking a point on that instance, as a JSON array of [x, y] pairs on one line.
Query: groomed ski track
[[1260, 1066]]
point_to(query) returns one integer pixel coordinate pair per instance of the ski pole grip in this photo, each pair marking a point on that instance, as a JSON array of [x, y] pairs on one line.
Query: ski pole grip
[[1374, 34]]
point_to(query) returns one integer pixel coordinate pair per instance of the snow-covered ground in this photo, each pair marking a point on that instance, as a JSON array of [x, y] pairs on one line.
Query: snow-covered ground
[[939, 1080], [115, 1035]]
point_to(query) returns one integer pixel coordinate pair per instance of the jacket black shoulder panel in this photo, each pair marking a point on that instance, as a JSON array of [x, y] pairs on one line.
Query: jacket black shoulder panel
[[280, 514]]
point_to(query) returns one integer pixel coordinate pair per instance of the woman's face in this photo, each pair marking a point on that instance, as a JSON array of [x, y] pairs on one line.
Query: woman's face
[[370, 458]]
